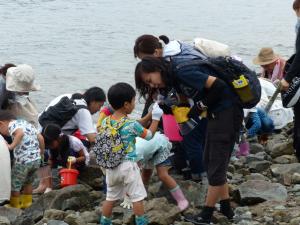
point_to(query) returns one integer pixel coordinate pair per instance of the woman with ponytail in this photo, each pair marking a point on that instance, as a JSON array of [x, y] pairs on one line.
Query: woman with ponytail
[[149, 45]]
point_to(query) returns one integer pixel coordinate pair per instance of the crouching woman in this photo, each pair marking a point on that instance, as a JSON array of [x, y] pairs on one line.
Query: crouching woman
[[225, 116]]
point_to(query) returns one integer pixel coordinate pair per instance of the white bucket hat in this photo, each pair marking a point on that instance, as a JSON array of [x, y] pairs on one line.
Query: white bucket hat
[[21, 79]]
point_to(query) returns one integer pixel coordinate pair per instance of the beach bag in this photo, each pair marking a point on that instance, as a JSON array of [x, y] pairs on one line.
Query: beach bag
[[109, 147], [291, 97], [60, 113], [243, 81], [211, 48]]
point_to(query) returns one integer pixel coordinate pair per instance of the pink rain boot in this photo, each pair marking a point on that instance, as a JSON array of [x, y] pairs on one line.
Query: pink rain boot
[[178, 195], [244, 149]]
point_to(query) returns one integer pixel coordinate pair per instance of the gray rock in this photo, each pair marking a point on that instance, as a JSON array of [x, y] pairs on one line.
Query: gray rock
[[55, 214], [194, 192], [91, 175], [4, 220], [90, 217], [281, 169], [259, 166], [256, 176], [285, 159], [296, 178], [256, 191], [283, 148], [256, 147], [56, 222], [73, 219], [59, 199], [160, 212], [295, 221], [10, 213]]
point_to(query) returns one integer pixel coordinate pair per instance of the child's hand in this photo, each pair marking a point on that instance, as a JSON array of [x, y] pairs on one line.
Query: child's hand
[[72, 159], [156, 112]]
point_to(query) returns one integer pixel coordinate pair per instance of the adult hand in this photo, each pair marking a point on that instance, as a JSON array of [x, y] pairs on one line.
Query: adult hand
[[126, 204], [284, 85], [156, 112]]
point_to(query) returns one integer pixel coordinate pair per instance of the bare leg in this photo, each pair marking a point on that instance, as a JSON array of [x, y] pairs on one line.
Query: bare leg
[[138, 208], [27, 190], [107, 208], [146, 175], [164, 176], [214, 193]]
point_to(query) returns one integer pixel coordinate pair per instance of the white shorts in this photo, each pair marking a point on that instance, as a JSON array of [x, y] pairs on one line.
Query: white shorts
[[125, 179]]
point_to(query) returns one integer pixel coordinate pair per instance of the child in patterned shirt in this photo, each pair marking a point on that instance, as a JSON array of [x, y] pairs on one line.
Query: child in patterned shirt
[[26, 146], [126, 177]]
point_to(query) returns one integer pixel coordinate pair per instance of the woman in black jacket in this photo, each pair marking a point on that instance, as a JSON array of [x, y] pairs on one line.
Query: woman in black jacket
[[294, 71]]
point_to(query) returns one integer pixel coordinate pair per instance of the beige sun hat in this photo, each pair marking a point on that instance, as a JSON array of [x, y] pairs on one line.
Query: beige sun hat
[[265, 57], [21, 79]]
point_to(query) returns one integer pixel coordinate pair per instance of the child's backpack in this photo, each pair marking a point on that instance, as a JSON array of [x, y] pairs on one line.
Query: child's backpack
[[243, 81], [109, 147], [60, 113]]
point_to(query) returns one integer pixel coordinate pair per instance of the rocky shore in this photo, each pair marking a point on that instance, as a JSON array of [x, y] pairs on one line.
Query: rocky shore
[[264, 187]]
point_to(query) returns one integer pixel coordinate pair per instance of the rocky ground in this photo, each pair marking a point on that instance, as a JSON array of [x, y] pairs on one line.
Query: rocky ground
[[265, 189]]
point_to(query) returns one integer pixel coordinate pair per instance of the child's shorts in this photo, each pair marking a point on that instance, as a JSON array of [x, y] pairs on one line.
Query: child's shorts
[[125, 179], [22, 175]]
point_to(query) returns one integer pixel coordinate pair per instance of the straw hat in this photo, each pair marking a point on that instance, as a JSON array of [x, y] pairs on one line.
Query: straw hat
[[21, 79], [265, 56]]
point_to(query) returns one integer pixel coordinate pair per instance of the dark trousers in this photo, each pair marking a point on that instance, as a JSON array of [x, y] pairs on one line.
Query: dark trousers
[[297, 130], [193, 144]]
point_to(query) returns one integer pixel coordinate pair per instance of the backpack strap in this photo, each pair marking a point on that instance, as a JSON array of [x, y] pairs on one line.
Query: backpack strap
[[118, 125]]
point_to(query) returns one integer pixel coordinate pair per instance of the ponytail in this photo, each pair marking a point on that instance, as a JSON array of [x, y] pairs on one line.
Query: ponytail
[[3, 69], [165, 39]]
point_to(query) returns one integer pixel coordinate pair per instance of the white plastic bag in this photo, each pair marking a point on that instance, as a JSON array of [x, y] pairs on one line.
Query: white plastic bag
[[211, 48]]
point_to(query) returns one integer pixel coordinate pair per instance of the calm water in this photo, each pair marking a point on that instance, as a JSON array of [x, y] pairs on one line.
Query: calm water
[[75, 44]]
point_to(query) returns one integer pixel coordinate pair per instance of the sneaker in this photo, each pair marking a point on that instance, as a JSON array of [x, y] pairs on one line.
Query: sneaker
[[198, 220]]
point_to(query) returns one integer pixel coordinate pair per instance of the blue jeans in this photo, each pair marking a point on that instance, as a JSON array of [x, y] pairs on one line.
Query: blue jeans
[[193, 145]]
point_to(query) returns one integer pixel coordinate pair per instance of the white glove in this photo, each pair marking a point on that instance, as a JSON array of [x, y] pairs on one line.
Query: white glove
[[156, 112], [126, 204], [72, 159]]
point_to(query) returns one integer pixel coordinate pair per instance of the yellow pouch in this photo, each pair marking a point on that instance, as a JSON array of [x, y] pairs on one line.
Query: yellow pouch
[[180, 114], [241, 87]]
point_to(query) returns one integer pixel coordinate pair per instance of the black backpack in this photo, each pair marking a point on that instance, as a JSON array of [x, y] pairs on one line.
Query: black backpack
[[243, 81], [60, 113]]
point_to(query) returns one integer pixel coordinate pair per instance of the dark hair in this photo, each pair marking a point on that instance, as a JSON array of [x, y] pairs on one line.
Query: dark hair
[[94, 94], [148, 43], [120, 93], [150, 65], [77, 96], [52, 132], [6, 115], [3, 69], [296, 4]]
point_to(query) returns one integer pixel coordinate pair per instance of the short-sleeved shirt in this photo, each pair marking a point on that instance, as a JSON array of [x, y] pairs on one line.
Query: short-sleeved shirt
[[75, 146], [190, 81], [82, 120], [28, 150], [129, 131]]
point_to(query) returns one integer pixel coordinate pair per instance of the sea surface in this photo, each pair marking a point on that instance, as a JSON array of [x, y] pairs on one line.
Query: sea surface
[[76, 44]]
